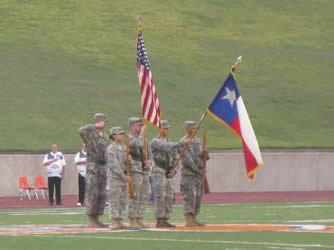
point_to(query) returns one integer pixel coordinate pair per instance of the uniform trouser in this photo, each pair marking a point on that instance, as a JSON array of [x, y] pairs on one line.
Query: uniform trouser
[[150, 180], [82, 187], [118, 198], [163, 194], [191, 191], [54, 183], [96, 180], [141, 186]]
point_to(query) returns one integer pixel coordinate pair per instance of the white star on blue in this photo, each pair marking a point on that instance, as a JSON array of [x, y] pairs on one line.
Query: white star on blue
[[141, 52]]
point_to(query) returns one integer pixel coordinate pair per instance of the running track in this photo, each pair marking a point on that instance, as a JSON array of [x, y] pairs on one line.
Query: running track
[[211, 198]]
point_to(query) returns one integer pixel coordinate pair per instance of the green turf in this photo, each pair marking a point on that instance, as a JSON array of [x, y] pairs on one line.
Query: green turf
[[62, 60], [172, 241], [257, 213], [262, 213]]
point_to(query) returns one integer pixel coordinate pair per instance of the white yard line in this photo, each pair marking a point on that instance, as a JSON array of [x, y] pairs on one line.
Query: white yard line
[[46, 211], [184, 241], [310, 221], [294, 206], [286, 248]]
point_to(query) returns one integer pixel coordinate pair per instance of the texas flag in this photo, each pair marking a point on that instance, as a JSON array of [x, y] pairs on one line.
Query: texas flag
[[229, 109]]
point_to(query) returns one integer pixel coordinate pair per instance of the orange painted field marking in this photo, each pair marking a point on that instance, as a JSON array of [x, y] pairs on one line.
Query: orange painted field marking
[[80, 229]]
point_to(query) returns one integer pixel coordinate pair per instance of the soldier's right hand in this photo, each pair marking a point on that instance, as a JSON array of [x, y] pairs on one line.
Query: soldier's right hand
[[129, 157], [148, 163], [100, 124], [127, 178], [186, 142], [143, 129], [172, 172]]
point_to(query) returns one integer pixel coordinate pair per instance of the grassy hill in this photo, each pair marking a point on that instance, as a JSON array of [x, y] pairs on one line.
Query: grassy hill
[[61, 61]]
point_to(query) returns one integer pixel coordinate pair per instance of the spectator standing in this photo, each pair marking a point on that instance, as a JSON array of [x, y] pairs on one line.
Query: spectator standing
[[54, 162], [81, 163]]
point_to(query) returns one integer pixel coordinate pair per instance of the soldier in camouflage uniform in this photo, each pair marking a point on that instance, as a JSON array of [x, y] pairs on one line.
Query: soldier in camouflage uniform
[[192, 173], [116, 155], [140, 167], [164, 154], [96, 171]]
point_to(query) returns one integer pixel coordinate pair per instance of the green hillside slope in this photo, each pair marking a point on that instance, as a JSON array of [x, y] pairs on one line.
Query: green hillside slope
[[61, 61]]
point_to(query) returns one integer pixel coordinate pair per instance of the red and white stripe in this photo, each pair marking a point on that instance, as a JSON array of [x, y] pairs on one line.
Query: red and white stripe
[[251, 147], [149, 98]]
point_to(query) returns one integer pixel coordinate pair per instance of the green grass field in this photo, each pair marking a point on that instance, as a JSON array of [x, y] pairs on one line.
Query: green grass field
[[291, 213], [62, 60]]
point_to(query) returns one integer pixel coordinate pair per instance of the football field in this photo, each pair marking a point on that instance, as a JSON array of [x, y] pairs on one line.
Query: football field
[[287, 225]]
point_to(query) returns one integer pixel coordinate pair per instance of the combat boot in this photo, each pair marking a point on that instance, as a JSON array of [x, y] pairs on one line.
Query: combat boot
[[98, 222], [115, 224], [168, 224], [122, 225], [133, 224], [160, 223], [92, 221], [141, 224], [199, 224], [190, 221]]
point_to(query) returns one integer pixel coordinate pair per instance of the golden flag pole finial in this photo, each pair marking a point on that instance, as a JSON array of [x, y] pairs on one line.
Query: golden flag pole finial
[[139, 28], [239, 60], [139, 20]]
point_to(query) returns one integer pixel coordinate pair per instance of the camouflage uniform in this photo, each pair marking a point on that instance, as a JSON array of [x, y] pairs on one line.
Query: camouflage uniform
[[191, 180], [164, 154], [96, 172], [139, 176], [118, 187]]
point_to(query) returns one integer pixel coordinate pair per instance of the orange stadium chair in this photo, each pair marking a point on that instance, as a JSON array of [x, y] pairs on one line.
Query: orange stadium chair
[[41, 186], [24, 186]]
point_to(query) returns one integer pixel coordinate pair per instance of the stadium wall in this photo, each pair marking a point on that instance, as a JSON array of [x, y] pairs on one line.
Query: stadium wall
[[284, 170]]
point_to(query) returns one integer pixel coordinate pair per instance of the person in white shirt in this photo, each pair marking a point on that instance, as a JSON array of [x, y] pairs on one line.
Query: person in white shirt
[[81, 162], [54, 162]]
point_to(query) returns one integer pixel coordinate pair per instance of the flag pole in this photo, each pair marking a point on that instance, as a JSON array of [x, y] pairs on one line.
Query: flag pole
[[139, 20], [139, 28]]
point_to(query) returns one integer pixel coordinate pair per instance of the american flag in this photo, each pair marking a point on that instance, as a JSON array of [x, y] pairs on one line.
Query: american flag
[[149, 98]]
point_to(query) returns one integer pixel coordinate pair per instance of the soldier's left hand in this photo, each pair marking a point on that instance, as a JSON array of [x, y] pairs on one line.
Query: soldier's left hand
[[203, 173], [205, 149]]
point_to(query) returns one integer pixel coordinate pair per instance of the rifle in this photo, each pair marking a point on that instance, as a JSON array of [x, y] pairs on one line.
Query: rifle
[[146, 148], [204, 159], [132, 193]]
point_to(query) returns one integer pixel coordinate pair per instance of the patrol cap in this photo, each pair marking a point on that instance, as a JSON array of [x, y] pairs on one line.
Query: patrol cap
[[165, 124], [190, 124], [135, 120], [99, 117], [116, 131]]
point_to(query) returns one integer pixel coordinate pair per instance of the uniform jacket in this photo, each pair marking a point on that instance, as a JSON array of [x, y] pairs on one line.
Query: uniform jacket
[[96, 142]]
